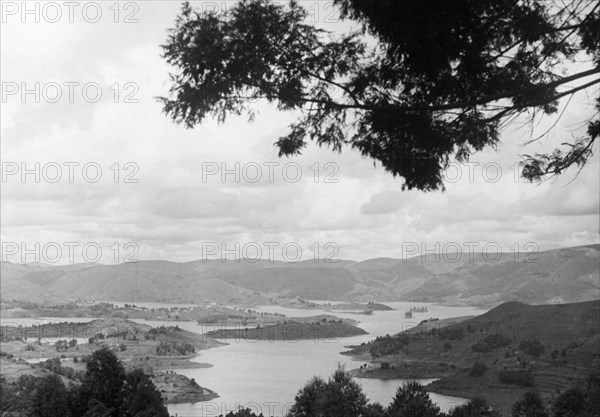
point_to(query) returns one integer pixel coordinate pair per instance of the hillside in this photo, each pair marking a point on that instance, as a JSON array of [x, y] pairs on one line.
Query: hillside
[[560, 275], [545, 346]]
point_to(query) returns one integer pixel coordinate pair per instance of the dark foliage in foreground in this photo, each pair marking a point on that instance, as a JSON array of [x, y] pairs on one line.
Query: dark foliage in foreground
[[108, 391], [442, 81]]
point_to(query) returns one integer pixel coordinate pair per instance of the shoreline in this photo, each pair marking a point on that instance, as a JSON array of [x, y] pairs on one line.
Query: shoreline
[[408, 370], [159, 352]]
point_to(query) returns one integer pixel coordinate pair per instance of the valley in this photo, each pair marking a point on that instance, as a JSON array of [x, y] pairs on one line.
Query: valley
[[184, 324]]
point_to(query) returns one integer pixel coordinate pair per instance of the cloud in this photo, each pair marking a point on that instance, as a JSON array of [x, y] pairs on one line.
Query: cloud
[[383, 202], [341, 198]]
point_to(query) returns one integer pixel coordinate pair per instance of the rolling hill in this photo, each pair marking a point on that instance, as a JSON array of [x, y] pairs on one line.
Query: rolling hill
[[552, 345], [560, 275]]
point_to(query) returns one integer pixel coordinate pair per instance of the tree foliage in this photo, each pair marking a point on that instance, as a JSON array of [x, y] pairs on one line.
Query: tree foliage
[[104, 379], [412, 400], [106, 391], [339, 396], [439, 82], [530, 405], [477, 407], [141, 398], [580, 400], [50, 398]]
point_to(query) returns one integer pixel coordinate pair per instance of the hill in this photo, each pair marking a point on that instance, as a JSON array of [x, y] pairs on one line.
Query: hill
[[559, 275], [516, 346]]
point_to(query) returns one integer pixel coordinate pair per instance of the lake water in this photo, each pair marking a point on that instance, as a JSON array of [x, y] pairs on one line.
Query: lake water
[[265, 375]]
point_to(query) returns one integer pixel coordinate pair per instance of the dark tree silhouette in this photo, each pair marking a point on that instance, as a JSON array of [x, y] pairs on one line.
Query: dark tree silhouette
[[530, 405], [244, 412], [441, 82], [98, 409], [580, 400], [477, 407], [374, 410], [340, 396], [50, 398], [103, 382], [412, 400], [141, 396]]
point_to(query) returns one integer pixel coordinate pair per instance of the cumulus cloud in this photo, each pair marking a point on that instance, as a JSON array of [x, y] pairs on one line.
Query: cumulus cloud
[[175, 206]]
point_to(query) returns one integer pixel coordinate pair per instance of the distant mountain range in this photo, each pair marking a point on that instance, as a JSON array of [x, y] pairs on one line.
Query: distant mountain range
[[560, 275]]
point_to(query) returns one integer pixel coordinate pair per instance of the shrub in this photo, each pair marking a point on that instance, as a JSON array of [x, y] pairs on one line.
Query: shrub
[[532, 347], [517, 377], [530, 405], [453, 333], [477, 369], [490, 343]]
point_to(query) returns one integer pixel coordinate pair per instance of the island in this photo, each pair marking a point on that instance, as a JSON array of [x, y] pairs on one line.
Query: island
[[318, 328]]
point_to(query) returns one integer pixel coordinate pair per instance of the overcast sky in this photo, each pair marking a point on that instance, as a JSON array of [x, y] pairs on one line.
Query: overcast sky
[[172, 208]]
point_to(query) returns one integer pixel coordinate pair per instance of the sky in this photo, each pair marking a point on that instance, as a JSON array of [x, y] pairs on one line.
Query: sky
[[92, 170]]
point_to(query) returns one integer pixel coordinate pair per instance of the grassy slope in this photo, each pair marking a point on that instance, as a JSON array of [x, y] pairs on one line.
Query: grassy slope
[[574, 328]]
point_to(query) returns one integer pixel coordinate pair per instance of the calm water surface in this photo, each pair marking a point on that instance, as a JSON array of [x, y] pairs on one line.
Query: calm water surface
[[265, 375]]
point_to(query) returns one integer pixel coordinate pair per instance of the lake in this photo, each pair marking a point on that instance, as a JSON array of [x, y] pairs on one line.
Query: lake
[[265, 376]]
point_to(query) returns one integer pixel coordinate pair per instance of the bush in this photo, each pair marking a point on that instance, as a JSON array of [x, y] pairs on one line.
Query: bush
[[453, 333], [478, 369], [532, 347], [530, 405], [490, 343], [477, 407], [581, 399], [517, 377], [388, 345], [447, 346]]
